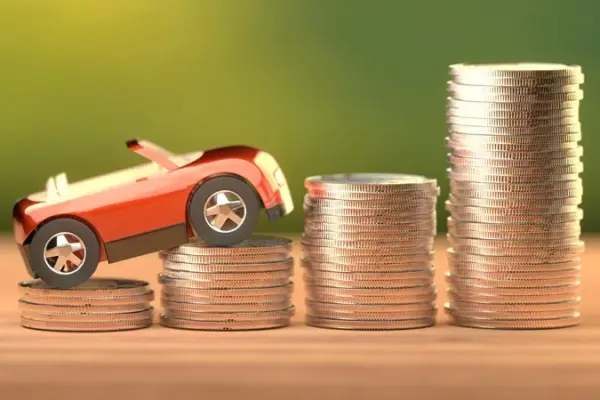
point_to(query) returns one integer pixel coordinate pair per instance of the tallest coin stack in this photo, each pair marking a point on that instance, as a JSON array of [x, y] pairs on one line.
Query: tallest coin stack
[[515, 192]]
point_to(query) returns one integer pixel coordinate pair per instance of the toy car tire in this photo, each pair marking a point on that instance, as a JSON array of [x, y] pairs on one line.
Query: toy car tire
[[204, 224], [47, 238]]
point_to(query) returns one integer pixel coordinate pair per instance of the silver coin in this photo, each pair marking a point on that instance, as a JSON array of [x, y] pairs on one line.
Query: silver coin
[[475, 93], [368, 284], [516, 262], [555, 195], [504, 299], [370, 182], [490, 178], [369, 325], [255, 246], [540, 187], [479, 106], [394, 203], [514, 283], [236, 316], [516, 70], [569, 228], [466, 139], [224, 260], [477, 217], [182, 296], [461, 232], [536, 90], [367, 237], [63, 317], [339, 220], [93, 288], [550, 204], [373, 267], [556, 254], [399, 298], [422, 290], [399, 243], [370, 308], [512, 131], [566, 322], [525, 173], [68, 326], [178, 323], [51, 300], [511, 82], [425, 227], [512, 307], [366, 252], [531, 114], [425, 275], [510, 122], [459, 271], [514, 316], [226, 277], [227, 268], [223, 285], [537, 156], [551, 245], [397, 196], [536, 209], [540, 146], [219, 294], [465, 287], [371, 316], [227, 307], [424, 258], [483, 162], [83, 309], [418, 213]]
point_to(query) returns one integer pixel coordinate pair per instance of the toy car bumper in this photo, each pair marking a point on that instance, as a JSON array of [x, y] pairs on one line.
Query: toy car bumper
[[24, 250]]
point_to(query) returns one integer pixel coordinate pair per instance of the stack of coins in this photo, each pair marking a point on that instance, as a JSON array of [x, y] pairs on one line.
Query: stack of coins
[[514, 225], [368, 251], [99, 305], [243, 287]]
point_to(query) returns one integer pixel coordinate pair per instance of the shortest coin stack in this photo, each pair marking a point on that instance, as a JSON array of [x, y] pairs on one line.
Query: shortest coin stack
[[368, 251], [99, 305], [244, 287]]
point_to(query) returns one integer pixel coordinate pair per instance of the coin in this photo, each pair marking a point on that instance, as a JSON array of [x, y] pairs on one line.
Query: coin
[[545, 211], [367, 182], [372, 316], [222, 285], [372, 267], [463, 287], [340, 194], [514, 283], [531, 196], [515, 300], [479, 106], [83, 309], [225, 277], [411, 214], [225, 307], [571, 275], [93, 288], [512, 131], [538, 140], [366, 251], [510, 122], [426, 275], [181, 323], [88, 301], [457, 230], [532, 242], [490, 90], [517, 187], [515, 262], [398, 299], [223, 260], [183, 296], [371, 284], [393, 203], [484, 94], [282, 290], [384, 220], [478, 313], [510, 147], [369, 325], [231, 316], [493, 178], [572, 320], [532, 229], [516, 70], [312, 228], [143, 315], [341, 308], [255, 246], [370, 292], [399, 243], [424, 258], [228, 268], [549, 203], [468, 111], [512, 307], [504, 163], [537, 156], [85, 326]]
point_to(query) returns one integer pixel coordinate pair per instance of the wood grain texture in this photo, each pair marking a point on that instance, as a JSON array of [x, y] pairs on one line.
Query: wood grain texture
[[298, 362]]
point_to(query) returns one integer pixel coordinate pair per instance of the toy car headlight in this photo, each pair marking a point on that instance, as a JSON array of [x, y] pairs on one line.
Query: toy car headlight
[[279, 177]]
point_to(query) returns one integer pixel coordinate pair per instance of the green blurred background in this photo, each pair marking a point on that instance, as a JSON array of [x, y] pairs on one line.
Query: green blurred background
[[325, 85]]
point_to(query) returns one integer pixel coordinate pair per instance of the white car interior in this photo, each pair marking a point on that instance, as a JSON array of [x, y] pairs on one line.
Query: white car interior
[[59, 188]]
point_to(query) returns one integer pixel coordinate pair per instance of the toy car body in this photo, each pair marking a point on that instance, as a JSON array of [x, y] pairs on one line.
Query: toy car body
[[66, 230]]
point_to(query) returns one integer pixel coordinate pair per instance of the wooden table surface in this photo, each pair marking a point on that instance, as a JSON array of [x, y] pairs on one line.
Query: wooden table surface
[[298, 362]]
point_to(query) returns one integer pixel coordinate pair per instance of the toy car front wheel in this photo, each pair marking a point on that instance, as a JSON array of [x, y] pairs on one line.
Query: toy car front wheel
[[64, 253], [224, 211]]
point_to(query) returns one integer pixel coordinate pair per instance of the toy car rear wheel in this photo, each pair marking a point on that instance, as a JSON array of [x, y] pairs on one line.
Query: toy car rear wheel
[[224, 211], [64, 253]]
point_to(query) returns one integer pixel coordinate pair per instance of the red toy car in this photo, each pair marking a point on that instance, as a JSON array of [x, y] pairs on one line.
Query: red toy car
[[65, 231]]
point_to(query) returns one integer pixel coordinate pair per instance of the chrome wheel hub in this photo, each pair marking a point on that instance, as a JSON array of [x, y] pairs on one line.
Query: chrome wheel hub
[[64, 253], [225, 211]]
